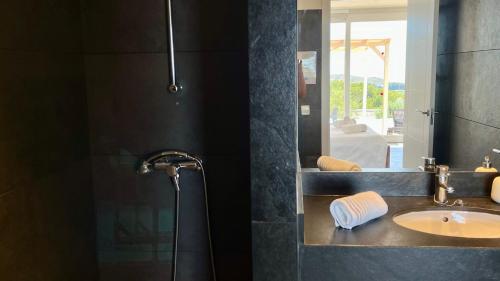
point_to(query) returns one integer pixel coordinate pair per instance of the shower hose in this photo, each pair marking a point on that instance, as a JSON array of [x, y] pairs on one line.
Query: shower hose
[[176, 226]]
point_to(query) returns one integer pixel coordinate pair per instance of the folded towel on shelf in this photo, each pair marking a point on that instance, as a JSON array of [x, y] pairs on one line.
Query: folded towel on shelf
[[352, 129], [351, 211], [344, 122], [327, 163]]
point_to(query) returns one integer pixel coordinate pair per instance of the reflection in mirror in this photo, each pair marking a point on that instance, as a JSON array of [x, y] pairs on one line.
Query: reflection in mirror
[[367, 93]]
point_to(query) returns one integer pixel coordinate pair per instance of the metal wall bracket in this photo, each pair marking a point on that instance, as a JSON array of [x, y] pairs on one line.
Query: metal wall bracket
[[173, 86]]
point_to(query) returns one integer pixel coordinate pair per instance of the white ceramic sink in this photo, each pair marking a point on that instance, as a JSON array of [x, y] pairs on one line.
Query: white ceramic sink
[[456, 223]]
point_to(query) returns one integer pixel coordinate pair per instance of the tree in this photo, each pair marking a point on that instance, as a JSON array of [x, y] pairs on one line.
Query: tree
[[375, 98]]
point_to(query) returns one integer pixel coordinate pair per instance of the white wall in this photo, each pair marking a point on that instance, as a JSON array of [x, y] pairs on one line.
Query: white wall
[[309, 4]]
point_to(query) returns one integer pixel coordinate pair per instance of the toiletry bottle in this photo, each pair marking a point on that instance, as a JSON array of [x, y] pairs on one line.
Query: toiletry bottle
[[495, 187], [429, 164], [486, 168], [495, 190]]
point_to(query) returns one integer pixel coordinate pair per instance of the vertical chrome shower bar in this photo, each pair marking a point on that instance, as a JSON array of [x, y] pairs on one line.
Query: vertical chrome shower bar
[[173, 87]]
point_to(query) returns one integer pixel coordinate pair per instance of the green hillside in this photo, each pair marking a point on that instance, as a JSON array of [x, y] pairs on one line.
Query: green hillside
[[371, 80], [375, 98]]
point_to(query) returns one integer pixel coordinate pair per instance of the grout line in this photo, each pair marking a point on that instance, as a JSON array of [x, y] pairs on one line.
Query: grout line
[[41, 51], [55, 51], [162, 52], [134, 155], [466, 52], [476, 122]]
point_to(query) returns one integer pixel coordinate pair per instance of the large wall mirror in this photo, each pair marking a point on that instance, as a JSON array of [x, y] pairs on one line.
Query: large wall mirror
[[377, 87]]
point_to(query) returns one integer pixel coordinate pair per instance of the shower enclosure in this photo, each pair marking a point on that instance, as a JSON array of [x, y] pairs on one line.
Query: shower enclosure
[[83, 97], [172, 162]]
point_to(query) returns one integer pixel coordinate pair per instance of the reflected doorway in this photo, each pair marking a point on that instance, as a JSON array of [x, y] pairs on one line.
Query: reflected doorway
[[367, 87]]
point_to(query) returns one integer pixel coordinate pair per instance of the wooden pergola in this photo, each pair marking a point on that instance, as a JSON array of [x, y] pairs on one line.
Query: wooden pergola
[[366, 44]]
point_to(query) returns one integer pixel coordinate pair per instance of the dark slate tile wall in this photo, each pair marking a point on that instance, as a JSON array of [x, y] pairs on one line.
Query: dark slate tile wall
[[46, 211], [273, 139], [403, 183], [467, 82], [398, 263], [309, 132], [131, 115]]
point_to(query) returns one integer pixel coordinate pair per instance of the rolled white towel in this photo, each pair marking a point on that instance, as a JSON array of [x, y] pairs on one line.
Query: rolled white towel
[[352, 129], [351, 211]]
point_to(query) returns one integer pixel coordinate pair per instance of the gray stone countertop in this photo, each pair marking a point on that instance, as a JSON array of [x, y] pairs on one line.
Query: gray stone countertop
[[320, 230]]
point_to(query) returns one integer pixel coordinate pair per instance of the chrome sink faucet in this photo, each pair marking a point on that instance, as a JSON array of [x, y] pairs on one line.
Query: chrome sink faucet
[[441, 185]]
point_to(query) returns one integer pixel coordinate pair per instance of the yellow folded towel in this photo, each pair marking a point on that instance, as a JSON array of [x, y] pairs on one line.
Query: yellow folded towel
[[327, 163], [352, 129]]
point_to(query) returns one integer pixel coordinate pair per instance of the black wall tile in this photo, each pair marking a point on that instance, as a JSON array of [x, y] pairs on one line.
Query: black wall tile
[[273, 138], [63, 224], [467, 26], [130, 26], [15, 249], [273, 111], [47, 211], [309, 140], [467, 83], [21, 75], [470, 142], [477, 25], [40, 90], [123, 26], [209, 25], [309, 126], [443, 103], [228, 192], [447, 24], [130, 109], [135, 272], [40, 25], [386, 183], [131, 114], [393, 183], [47, 151], [385, 263], [274, 251], [119, 191], [476, 85], [46, 120], [190, 268]]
